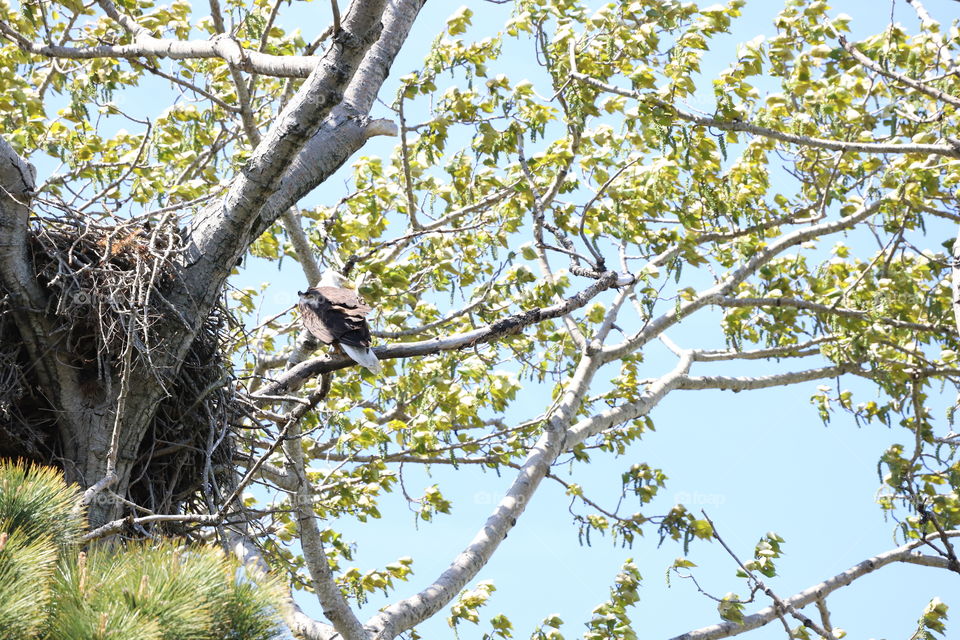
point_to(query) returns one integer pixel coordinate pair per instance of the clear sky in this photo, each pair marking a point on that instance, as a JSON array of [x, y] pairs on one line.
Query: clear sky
[[756, 462]]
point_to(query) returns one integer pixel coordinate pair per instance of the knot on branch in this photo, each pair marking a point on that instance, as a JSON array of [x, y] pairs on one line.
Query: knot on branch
[[515, 323], [350, 40]]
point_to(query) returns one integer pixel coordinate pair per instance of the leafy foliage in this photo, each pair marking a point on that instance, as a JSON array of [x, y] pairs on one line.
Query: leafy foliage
[[800, 219], [610, 619]]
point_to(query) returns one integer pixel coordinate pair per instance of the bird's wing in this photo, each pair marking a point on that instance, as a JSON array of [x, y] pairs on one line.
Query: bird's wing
[[346, 300], [343, 312], [313, 320]]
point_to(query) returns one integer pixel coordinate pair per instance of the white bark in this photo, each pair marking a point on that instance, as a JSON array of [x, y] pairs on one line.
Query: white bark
[[907, 553], [407, 613], [955, 282], [292, 224], [403, 615], [725, 287], [223, 47], [348, 126], [299, 623], [334, 604], [220, 234]]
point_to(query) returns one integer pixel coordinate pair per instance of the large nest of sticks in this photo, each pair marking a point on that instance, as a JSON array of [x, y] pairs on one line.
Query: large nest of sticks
[[105, 282]]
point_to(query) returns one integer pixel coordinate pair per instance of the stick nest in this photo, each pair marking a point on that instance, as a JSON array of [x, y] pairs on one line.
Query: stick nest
[[105, 282]]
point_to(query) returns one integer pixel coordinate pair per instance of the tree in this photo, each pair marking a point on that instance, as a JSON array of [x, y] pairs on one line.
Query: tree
[[553, 230], [53, 590]]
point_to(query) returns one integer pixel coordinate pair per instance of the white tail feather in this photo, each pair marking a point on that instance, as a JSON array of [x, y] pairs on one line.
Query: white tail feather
[[365, 357]]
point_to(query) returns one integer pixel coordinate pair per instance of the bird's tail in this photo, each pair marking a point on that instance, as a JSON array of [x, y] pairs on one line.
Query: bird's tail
[[364, 356]]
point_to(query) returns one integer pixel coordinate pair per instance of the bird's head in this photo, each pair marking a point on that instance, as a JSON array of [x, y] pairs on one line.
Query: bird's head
[[309, 294]]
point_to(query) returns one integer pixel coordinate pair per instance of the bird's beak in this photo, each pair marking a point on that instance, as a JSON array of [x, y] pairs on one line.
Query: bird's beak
[[300, 293]]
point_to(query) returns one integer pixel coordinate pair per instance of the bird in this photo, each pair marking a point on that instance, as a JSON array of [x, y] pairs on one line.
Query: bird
[[336, 315]]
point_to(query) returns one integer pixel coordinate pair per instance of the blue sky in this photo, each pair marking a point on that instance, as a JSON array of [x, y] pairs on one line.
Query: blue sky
[[756, 462]]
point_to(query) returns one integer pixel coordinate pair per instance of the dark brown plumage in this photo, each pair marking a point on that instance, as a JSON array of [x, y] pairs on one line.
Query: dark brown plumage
[[335, 315]]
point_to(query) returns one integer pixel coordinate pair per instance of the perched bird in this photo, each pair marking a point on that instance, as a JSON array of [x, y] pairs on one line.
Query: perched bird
[[336, 315]]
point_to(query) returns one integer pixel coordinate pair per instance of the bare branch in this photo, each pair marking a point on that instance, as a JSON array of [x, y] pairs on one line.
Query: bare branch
[[779, 604], [923, 88], [223, 47], [296, 376], [824, 614], [335, 9], [301, 246], [719, 291], [907, 553], [745, 383]]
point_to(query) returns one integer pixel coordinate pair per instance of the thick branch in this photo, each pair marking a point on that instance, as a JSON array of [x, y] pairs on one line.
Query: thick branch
[[296, 376], [224, 47], [907, 553], [335, 605], [679, 379], [651, 397], [340, 135], [923, 88], [723, 288], [405, 614], [300, 623], [220, 234], [348, 126]]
